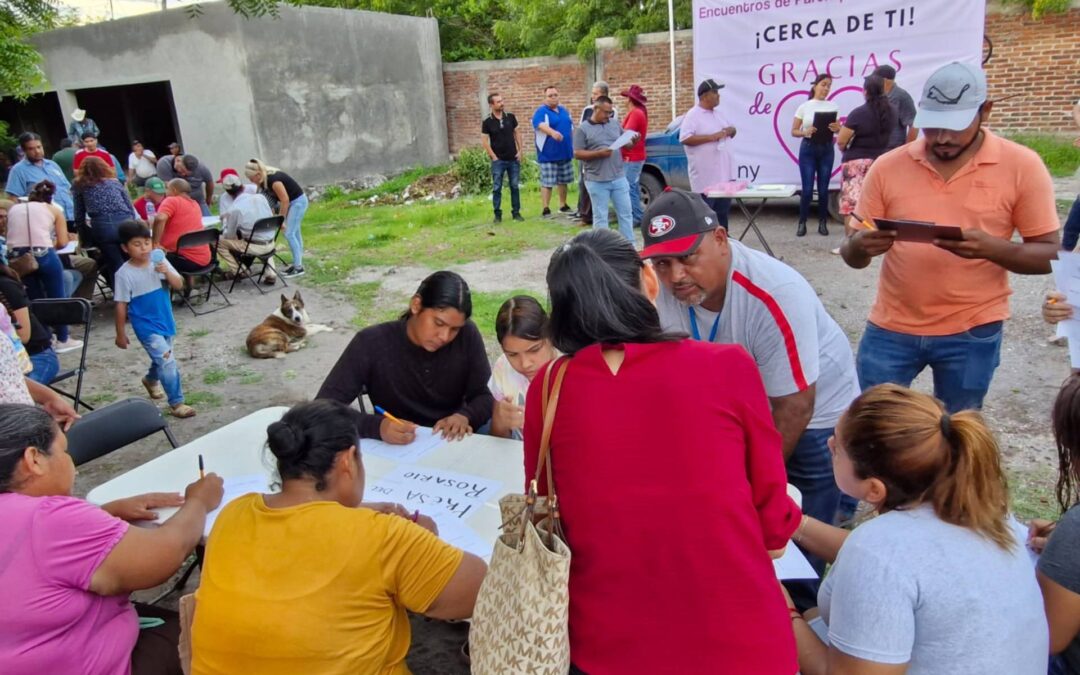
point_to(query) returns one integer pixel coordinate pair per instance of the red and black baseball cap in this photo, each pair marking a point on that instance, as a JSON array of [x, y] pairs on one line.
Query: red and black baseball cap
[[675, 223]]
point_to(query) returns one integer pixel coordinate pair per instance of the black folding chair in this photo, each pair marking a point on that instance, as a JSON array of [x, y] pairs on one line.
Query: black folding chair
[[246, 260], [115, 426], [206, 237], [68, 312]]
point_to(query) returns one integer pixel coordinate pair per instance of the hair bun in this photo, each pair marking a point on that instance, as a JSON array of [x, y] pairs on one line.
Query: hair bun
[[285, 440]]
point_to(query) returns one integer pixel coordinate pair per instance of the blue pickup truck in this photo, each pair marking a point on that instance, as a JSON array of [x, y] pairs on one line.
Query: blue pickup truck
[[665, 165]]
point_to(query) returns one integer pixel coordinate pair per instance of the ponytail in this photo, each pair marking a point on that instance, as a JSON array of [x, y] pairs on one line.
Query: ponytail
[[595, 286], [922, 454], [877, 101], [1066, 422]]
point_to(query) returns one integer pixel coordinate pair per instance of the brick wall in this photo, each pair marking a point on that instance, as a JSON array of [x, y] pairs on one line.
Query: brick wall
[[1040, 60]]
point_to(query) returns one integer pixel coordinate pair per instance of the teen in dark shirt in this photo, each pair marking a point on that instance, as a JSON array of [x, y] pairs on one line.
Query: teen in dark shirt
[[428, 367]]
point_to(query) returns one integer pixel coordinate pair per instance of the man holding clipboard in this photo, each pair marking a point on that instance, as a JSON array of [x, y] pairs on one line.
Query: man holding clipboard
[[941, 302]]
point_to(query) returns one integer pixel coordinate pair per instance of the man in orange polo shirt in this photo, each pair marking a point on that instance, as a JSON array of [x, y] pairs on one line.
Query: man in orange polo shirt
[[942, 304]]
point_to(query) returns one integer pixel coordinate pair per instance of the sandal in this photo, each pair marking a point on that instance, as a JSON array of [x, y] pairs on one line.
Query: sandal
[[183, 410], [154, 389]]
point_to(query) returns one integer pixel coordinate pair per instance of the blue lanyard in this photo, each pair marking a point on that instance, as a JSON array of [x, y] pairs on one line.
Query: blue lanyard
[[694, 328]]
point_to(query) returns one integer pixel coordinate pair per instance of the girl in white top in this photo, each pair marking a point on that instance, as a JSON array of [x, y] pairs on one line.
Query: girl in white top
[[937, 582], [815, 159], [521, 326]]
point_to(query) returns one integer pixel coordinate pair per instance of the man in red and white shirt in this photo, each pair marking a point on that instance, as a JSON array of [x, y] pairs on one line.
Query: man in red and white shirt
[[716, 289], [90, 149]]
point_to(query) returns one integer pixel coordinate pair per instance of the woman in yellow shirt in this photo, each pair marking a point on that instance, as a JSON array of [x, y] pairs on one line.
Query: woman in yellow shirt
[[304, 581]]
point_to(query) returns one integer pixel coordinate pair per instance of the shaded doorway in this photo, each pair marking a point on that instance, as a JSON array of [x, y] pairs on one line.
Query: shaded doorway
[[40, 114], [132, 111]]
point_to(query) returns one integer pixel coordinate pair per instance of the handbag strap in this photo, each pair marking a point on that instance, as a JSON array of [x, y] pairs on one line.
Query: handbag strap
[[550, 403]]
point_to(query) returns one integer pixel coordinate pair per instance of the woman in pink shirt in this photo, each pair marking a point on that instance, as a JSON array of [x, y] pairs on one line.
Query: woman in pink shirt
[[67, 567], [670, 479]]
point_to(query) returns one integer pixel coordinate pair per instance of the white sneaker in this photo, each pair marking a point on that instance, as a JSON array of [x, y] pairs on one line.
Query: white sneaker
[[69, 346]]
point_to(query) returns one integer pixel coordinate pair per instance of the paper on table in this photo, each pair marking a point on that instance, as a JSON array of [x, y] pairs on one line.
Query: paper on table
[[626, 139], [447, 497], [793, 565], [70, 248], [235, 486], [426, 440]]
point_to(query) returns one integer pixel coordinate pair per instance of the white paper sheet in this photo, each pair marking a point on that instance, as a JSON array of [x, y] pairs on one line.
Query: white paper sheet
[[793, 565], [446, 496], [426, 441], [1066, 271], [626, 139], [236, 486], [1020, 531], [70, 248]]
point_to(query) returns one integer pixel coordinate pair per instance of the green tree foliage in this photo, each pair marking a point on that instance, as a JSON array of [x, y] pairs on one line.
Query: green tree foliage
[[20, 64], [1040, 8]]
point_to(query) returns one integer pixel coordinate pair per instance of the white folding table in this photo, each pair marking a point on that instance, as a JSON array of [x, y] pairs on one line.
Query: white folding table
[[763, 194], [238, 449]]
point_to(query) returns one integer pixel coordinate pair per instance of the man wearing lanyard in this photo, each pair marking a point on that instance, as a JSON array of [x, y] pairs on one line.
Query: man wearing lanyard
[[715, 287]]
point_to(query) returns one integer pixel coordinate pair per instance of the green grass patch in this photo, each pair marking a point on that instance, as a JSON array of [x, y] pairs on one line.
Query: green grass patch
[[289, 375], [1064, 206], [100, 398], [249, 377], [202, 399], [486, 306], [1032, 493], [1059, 154], [196, 333], [215, 375]]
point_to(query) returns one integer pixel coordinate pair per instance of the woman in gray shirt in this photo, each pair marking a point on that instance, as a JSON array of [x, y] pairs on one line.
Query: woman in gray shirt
[[937, 582]]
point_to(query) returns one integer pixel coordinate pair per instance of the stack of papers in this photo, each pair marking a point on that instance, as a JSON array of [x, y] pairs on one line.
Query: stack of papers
[[1066, 271], [426, 440]]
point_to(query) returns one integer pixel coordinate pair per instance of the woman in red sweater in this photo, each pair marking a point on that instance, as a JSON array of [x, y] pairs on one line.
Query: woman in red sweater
[[670, 477]]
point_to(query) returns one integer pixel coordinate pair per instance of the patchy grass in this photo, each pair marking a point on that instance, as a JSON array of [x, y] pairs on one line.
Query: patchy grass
[[100, 398], [398, 183], [215, 375], [196, 333], [1059, 154], [289, 375], [249, 377], [202, 399], [1064, 206], [1032, 493]]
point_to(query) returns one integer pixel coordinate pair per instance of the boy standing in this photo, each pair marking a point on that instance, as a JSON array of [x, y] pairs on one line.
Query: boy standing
[[139, 294]]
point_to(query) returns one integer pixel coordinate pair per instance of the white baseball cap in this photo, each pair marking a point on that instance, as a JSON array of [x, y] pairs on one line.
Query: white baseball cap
[[951, 97]]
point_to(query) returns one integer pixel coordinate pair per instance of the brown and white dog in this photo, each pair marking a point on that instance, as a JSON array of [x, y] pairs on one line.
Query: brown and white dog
[[284, 331]]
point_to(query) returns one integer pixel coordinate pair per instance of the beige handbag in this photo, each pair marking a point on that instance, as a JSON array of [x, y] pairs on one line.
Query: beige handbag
[[520, 623]]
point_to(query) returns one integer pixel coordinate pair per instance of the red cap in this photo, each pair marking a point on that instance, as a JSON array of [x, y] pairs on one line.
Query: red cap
[[227, 172], [675, 224]]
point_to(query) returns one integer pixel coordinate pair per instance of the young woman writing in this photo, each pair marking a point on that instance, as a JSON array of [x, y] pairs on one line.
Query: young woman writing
[[521, 327]]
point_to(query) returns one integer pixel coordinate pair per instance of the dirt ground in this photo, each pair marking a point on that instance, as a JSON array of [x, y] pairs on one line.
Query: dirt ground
[[212, 346]]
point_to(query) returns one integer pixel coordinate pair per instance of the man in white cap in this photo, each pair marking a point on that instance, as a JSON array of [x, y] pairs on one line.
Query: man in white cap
[[80, 124], [942, 304], [238, 216]]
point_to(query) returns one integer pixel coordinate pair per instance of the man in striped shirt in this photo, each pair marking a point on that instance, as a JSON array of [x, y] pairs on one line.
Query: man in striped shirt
[[718, 290]]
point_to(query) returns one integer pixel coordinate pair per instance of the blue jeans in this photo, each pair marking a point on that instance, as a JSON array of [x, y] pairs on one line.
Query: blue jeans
[[963, 363], [721, 206], [163, 366], [47, 282], [512, 168], [618, 191], [205, 208], [815, 158], [633, 177], [72, 279], [106, 236], [46, 365], [1072, 227], [297, 209]]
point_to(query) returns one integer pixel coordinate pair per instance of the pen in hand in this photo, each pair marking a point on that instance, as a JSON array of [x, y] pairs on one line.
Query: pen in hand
[[202, 470]]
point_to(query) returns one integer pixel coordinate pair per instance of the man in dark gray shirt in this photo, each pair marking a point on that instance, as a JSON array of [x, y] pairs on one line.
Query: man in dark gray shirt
[[198, 177], [904, 106], [602, 166]]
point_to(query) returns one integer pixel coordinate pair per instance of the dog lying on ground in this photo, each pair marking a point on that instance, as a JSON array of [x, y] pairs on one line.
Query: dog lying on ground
[[284, 331]]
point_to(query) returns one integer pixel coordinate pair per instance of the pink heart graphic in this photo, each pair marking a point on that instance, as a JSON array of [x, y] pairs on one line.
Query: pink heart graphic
[[786, 109]]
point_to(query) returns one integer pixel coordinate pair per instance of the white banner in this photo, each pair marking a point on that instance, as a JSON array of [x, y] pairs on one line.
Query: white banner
[[768, 52]]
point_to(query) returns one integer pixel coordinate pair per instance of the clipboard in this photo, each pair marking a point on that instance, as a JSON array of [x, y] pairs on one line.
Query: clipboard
[[920, 231], [823, 135]]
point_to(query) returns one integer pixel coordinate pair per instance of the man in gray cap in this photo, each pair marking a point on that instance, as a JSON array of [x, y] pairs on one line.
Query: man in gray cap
[[942, 303], [902, 103]]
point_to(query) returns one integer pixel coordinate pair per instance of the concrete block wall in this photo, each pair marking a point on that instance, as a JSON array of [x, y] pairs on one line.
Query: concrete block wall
[[1037, 59]]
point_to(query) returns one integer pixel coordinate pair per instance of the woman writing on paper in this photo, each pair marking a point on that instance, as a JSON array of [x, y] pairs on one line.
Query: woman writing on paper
[[670, 479], [815, 158], [938, 582], [521, 327], [303, 581], [428, 367], [68, 566]]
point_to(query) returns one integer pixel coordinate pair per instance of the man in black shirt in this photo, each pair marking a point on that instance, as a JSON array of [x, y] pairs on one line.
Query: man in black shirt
[[503, 144]]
